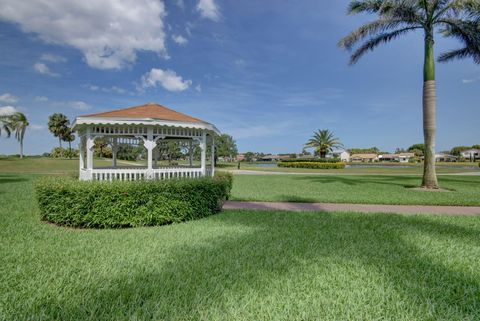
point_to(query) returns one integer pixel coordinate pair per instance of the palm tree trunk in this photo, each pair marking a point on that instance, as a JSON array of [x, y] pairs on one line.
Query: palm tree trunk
[[70, 149], [429, 114], [59, 142], [21, 148]]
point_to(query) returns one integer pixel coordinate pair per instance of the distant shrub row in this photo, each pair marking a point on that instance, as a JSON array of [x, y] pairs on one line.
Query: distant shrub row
[[311, 160], [314, 165], [67, 201]]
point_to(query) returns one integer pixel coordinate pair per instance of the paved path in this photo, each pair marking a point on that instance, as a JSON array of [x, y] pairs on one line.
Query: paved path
[[255, 172], [361, 208]]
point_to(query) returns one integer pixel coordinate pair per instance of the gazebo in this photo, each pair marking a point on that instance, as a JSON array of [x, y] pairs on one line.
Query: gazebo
[[153, 126]]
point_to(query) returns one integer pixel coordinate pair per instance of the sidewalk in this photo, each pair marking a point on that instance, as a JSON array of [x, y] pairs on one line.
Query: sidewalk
[[361, 208]]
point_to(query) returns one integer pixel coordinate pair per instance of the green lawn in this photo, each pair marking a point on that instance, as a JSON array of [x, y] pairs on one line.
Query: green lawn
[[365, 189], [238, 266], [380, 169]]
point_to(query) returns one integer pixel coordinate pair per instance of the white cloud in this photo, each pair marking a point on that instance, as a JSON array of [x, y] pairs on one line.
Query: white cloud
[[108, 33], [208, 9], [198, 88], [470, 80], [8, 98], [41, 99], [180, 40], [79, 105], [53, 58], [37, 127], [43, 69], [168, 79], [114, 89], [7, 110], [180, 3]]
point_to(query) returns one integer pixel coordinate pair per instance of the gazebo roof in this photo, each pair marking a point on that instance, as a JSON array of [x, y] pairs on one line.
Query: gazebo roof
[[147, 114]]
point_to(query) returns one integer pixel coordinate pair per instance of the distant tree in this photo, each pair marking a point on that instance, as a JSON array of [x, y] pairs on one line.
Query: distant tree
[[58, 124], [225, 146], [69, 137], [476, 146], [249, 156], [171, 151], [371, 150], [323, 141], [130, 152], [18, 123], [417, 147], [100, 145], [400, 150], [458, 149]]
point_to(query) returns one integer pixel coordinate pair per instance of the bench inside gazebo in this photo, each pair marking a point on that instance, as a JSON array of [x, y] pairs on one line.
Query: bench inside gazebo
[[153, 126]]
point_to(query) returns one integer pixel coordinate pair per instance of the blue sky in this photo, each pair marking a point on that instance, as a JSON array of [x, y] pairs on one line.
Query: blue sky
[[267, 72]]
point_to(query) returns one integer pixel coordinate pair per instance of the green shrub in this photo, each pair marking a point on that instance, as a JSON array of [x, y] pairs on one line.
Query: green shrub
[[311, 160], [67, 201], [314, 165]]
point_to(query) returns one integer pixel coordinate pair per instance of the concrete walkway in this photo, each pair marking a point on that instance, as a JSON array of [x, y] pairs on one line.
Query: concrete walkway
[[361, 208]]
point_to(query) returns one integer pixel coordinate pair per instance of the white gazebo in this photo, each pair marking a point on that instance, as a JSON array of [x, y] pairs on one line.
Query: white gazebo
[[152, 126]]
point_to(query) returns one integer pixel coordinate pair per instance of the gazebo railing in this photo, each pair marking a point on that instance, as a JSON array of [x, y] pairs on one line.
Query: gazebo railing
[[133, 174]]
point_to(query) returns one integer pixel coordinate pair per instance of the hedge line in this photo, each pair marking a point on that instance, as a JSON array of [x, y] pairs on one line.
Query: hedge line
[[313, 165], [69, 202], [311, 160]]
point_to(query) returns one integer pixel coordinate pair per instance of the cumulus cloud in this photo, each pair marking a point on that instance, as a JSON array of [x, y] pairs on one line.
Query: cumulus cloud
[[53, 58], [168, 79], [43, 69], [7, 110], [208, 9], [180, 40], [8, 98], [114, 89], [108, 33]]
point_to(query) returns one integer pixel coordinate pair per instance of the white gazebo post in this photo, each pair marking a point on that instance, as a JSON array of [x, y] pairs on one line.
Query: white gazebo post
[[213, 157], [203, 158], [150, 144], [90, 145], [81, 156], [190, 152], [114, 151]]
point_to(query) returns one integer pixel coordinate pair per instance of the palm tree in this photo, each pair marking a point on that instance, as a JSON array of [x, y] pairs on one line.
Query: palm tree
[[4, 125], [58, 124], [459, 19], [324, 141], [69, 137], [18, 122]]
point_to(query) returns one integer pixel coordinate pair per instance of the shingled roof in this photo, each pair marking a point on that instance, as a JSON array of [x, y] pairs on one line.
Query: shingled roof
[[147, 111]]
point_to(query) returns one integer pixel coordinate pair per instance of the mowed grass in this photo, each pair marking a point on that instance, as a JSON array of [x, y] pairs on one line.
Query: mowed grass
[[238, 265], [44, 165], [362, 189]]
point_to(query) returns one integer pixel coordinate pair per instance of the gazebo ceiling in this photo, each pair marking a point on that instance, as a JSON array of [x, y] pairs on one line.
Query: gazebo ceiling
[[148, 114]]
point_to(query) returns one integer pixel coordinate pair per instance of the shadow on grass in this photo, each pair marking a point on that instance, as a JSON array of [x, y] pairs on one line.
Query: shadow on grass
[[212, 279], [8, 179]]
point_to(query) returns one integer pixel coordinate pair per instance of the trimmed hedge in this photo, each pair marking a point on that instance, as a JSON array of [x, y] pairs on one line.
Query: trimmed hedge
[[311, 160], [70, 202], [314, 165]]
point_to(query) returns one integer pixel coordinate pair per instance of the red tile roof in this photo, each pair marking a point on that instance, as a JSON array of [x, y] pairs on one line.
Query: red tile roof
[[150, 110]]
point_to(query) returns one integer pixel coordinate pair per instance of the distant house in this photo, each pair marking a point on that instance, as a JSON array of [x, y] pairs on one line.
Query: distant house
[[240, 157], [405, 157], [400, 157], [445, 158], [343, 155], [364, 158], [471, 154]]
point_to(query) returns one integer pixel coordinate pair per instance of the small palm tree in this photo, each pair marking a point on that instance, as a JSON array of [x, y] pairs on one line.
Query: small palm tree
[[58, 124], [324, 141], [459, 19], [18, 123]]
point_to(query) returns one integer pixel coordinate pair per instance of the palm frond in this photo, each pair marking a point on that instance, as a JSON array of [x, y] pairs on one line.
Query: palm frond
[[377, 41]]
